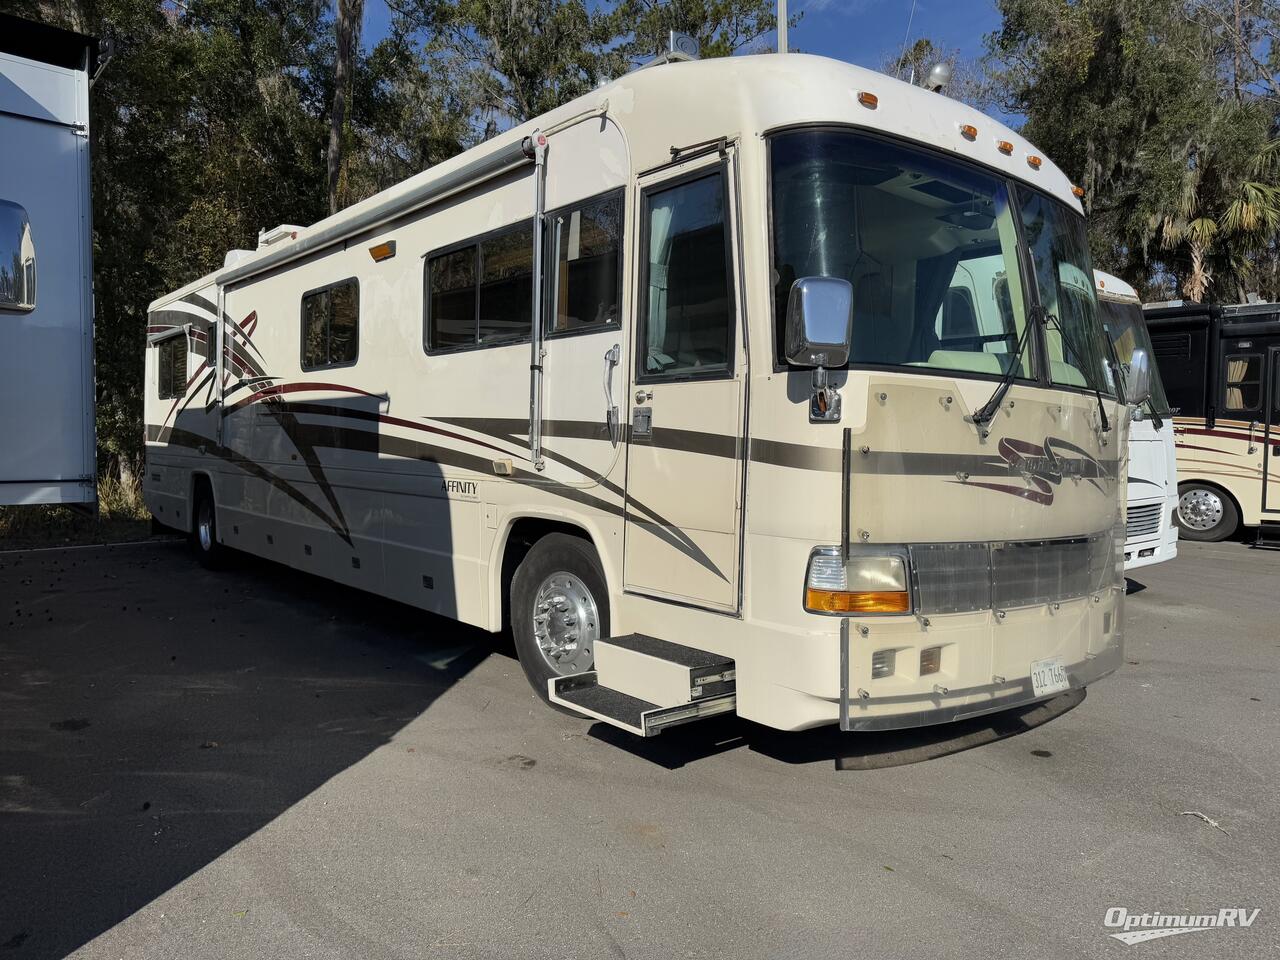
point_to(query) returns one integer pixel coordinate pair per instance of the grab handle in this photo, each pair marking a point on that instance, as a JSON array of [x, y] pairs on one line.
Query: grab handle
[[611, 358]]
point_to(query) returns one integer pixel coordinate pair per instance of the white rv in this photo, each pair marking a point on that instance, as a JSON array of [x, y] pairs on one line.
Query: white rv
[[47, 448], [667, 380], [1151, 536]]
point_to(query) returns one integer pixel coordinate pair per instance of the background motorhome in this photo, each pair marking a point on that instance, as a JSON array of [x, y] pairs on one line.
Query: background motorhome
[[1221, 370], [46, 275], [1151, 535]]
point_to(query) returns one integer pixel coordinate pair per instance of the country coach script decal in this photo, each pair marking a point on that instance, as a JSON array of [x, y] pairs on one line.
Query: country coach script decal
[[1042, 467]]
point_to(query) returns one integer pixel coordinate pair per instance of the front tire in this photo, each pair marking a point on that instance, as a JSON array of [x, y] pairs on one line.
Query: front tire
[[1205, 513], [559, 609], [204, 531]]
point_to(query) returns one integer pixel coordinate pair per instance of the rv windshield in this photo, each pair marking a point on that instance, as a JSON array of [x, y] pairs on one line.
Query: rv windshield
[[930, 246], [1128, 331]]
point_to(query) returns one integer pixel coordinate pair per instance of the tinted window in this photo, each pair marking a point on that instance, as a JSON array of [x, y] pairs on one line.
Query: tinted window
[[482, 293], [171, 366], [1243, 383], [452, 281], [929, 245], [331, 325], [688, 313], [506, 285], [588, 239], [1064, 279]]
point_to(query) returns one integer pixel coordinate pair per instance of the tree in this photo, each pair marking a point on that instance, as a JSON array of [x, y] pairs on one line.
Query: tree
[[721, 27], [914, 63], [1137, 101], [346, 28]]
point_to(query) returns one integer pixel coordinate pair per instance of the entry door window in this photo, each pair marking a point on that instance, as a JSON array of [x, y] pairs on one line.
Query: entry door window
[[687, 315]]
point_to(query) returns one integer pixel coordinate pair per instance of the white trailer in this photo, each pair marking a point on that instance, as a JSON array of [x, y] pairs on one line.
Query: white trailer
[[47, 446], [666, 379], [1151, 535]]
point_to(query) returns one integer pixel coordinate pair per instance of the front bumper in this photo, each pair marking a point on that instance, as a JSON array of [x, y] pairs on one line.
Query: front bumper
[[975, 701]]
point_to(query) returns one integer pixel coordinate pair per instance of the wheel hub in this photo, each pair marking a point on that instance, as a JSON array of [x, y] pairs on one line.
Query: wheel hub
[[566, 623], [204, 527], [1200, 509]]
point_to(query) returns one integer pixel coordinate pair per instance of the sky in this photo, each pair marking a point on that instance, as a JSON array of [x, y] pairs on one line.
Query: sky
[[857, 31]]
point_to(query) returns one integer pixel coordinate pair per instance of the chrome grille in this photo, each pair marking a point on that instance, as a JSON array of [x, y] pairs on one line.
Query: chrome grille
[[959, 577], [1143, 520], [951, 577]]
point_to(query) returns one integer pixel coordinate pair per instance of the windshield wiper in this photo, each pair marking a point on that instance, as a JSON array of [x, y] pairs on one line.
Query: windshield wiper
[[1097, 391], [988, 410]]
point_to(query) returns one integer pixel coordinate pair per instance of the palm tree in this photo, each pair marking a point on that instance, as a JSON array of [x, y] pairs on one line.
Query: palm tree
[[1226, 212]]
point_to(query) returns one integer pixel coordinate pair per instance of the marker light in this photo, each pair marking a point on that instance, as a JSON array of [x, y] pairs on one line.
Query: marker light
[[1004, 146], [1078, 191], [866, 584], [968, 131], [1033, 161], [868, 100], [930, 660], [882, 663], [383, 251]]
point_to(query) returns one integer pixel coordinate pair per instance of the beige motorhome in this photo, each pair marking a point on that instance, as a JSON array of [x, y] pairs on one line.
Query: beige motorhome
[[737, 385]]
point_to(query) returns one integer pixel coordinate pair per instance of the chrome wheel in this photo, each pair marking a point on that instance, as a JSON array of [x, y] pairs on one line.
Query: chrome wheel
[[566, 623], [1200, 509], [204, 526]]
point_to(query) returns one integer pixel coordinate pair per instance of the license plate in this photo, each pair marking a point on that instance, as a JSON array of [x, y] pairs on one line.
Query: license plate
[[1048, 676]]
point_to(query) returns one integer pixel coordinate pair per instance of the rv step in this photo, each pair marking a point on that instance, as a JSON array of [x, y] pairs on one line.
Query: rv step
[[1268, 535], [583, 694], [661, 672], [644, 684]]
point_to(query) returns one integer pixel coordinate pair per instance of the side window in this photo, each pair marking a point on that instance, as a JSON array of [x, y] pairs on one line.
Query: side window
[[171, 367], [588, 265], [687, 316], [17, 259], [481, 293], [331, 325], [506, 285], [1243, 383]]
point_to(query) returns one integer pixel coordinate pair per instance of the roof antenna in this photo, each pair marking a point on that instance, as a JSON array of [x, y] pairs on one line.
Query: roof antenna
[[907, 36]]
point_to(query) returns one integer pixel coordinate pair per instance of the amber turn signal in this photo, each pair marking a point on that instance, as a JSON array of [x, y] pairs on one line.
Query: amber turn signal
[[1078, 191], [841, 601]]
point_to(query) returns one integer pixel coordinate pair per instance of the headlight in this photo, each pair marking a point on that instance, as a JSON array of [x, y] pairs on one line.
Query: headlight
[[866, 583]]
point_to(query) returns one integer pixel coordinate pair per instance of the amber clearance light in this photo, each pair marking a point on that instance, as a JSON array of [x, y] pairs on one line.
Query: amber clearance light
[[868, 100], [383, 251], [830, 601], [968, 131]]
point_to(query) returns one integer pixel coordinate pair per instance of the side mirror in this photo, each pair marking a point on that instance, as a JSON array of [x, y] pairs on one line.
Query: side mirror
[[819, 322], [1137, 379], [17, 259]]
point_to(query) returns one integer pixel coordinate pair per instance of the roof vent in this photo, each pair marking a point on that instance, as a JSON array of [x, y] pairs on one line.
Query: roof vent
[[286, 231], [235, 256]]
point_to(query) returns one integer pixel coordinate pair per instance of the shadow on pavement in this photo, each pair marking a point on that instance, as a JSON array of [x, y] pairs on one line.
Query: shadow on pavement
[[848, 751], [154, 714]]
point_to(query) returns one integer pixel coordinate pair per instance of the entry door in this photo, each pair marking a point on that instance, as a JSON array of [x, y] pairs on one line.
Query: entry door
[[1271, 436], [685, 469]]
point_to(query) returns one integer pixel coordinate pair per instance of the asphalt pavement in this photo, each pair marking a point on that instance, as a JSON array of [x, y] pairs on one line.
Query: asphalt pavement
[[255, 763]]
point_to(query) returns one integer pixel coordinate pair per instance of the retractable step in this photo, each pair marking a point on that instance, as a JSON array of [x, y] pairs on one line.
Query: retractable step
[[1268, 535], [644, 685]]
